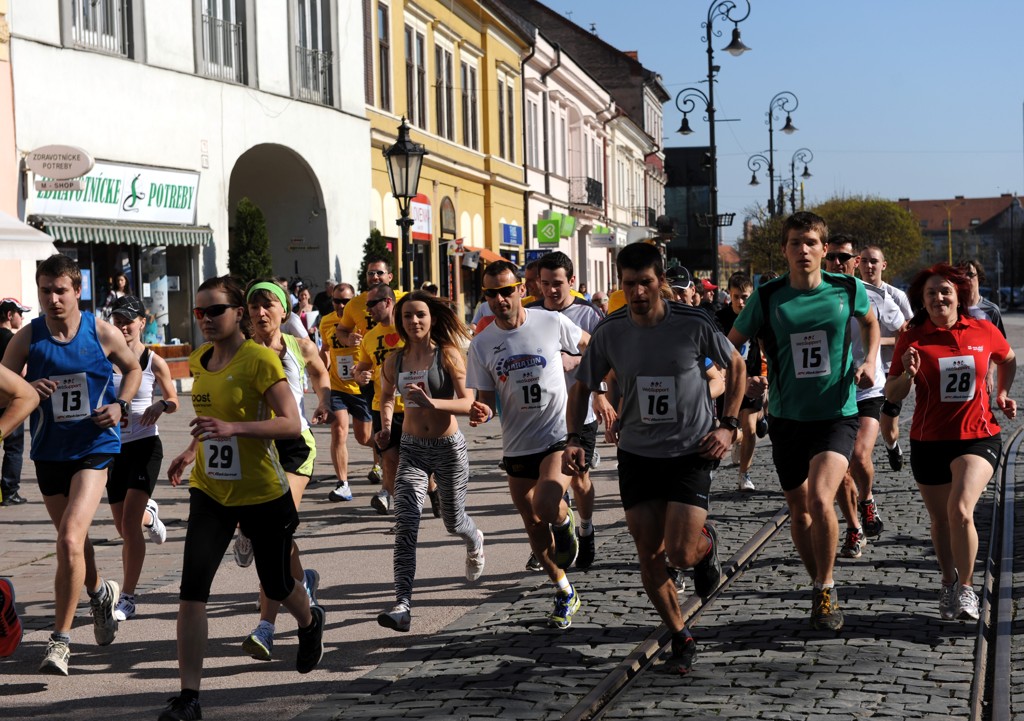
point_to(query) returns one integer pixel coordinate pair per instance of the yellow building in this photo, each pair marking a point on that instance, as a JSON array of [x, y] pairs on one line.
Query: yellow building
[[454, 70]]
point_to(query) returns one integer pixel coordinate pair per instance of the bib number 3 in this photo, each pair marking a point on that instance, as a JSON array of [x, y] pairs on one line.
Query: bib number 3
[[958, 378], [657, 398], [222, 460]]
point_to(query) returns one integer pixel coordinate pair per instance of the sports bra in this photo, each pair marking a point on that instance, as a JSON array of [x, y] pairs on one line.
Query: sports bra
[[439, 381]]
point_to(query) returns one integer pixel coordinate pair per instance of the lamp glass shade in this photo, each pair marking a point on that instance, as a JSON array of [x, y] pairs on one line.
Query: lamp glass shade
[[684, 127], [806, 173], [736, 46], [754, 180], [789, 128], [405, 161]]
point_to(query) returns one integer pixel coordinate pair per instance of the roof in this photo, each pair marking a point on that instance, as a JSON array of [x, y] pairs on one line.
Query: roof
[[964, 213]]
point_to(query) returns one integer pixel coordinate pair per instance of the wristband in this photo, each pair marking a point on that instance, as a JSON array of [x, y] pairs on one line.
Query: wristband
[[574, 437], [165, 404], [490, 415]]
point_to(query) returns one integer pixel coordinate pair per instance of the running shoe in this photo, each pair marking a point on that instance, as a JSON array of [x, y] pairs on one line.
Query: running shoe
[[381, 502], [341, 492], [567, 546], [475, 559], [595, 461], [745, 484], [397, 618], [684, 651], [707, 574], [967, 604], [13, 499], [533, 564], [376, 475], [762, 426], [55, 662], [104, 625], [501, 465], [157, 530], [895, 457], [243, 550], [10, 624], [260, 643], [947, 599], [125, 607], [588, 543], [181, 709], [566, 605], [311, 642], [853, 545], [311, 582], [678, 577], [826, 615], [870, 518], [435, 503]]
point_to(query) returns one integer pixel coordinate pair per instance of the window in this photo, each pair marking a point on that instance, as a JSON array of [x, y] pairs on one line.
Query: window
[[510, 121], [443, 69], [314, 72], [501, 117], [532, 140], [102, 25], [470, 137], [384, 55], [223, 41], [415, 77], [563, 139]]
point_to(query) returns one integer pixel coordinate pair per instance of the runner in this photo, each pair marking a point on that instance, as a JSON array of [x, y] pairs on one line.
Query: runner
[[266, 312], [954, 438], [136, 468], [519, 356], [431, 375], [668, 443], [237, 481], [11, 318], [802, 321], [75, 437]]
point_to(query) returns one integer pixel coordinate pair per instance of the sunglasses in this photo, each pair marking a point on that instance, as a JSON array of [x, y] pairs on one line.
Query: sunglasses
[[340, 301], [371, 303], [841, 257], [504, 291], [376, 272], [214, 311]]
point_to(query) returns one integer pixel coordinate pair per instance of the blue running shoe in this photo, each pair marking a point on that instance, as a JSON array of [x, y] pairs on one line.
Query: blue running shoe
[[311, 580], [566, 605]]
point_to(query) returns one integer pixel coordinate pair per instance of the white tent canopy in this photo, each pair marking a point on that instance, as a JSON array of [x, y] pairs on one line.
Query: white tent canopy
[[19, 241]]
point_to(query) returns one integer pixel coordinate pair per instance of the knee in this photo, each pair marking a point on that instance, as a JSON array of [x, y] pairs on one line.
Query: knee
[[682, 556], [960, 516], [69, 546]]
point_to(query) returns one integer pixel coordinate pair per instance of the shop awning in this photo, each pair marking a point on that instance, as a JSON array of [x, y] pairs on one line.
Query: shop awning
[[485, 253], [19, 241], [70, 230]]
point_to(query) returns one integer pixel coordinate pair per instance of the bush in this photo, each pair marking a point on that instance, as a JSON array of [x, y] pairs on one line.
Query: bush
[[249, 253], [375, 249]]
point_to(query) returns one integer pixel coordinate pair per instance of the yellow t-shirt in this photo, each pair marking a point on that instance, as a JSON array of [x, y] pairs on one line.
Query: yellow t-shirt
[[237, 471], [342, 358], [378, 343], [616, 300], [357, 317]]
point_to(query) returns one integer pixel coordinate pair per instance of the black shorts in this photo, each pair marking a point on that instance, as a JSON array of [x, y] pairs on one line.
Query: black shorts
[[795, 443], [54, 477], [396, 430], [931, 461], [357, 405], [892, 409], [529, 466], [588, 441], [682, 479], [752, 404], [870, 407], [136, 468], [297, 454]]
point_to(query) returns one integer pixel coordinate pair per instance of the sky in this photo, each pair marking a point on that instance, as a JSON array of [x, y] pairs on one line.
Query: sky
[[919, 99]]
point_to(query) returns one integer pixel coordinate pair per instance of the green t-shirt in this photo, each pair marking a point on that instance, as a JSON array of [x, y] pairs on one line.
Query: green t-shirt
[[806, 338]]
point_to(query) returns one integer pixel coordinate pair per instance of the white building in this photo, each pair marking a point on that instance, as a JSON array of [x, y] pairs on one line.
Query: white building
[[635, 197], [188, 106]]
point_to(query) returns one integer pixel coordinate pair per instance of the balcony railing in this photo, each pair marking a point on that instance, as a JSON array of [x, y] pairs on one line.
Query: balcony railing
[[223, 50], [313, 70], [586, 191], [100, 25], [644, 216]]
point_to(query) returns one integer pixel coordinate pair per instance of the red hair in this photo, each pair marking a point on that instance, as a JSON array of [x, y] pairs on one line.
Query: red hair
[[955, 276]]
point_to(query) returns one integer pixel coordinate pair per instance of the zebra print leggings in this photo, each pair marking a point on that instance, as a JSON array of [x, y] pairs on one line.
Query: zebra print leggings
[[448, 460]]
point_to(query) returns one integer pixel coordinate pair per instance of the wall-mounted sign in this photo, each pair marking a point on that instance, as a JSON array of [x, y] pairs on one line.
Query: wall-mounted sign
[[447, 216], [111, 191], [422, 217], [511, 234], [511, 255], [73, 184], [547, 230], [602, 240], [59, 162], [536, 254]]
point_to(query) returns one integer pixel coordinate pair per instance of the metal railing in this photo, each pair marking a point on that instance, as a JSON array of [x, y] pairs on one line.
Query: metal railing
[[100, 25], [223, 49], [313, 73], [586, 191], [644, 216]]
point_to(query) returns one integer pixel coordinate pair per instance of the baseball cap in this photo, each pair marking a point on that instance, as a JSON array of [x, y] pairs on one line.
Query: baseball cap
[[679, 277], [129, 306], [14, 304], [707, 284]]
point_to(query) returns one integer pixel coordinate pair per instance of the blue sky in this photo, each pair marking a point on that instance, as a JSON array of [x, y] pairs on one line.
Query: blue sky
[[897, 98]]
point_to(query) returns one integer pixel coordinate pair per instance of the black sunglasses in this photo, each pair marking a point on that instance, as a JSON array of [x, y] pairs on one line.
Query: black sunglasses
[[371, 303], [340, 301], [841, 257], [214, 311], [504, 291]]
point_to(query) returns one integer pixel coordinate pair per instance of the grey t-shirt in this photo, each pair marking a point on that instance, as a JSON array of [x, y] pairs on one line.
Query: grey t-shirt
[[666, 403]]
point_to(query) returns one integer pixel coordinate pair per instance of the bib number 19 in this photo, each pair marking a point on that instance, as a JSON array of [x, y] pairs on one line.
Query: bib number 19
[[531, 394]]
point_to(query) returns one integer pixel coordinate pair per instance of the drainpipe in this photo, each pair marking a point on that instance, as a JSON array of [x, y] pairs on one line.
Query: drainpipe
[[544, 112], [526, 177]]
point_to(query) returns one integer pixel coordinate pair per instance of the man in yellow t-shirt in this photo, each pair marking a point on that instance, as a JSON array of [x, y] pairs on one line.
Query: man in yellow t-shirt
[[379, 342]]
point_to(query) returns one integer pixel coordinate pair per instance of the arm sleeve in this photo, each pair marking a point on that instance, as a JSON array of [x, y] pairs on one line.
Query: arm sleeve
[[595, 364], [749, 320], [477, 374], [569, 334], [720, 349], [861, 304], [902, 343], [349, 317], [267, 370]]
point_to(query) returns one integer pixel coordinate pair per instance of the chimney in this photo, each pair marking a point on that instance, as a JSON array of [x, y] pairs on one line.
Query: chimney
[[958, 197], [632, 53]]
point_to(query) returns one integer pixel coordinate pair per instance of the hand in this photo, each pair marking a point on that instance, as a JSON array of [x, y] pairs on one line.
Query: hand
[[383, 436], [107, 416], [364, 378], [604, 410], [178, 466], [570, 362], [320, 415], [44, 387], [864, 376], [205, 428], [911, 361], [415, 395], [574, 460], [1007, 405], [479, 413], [354, 339], [611, 432], [151, 414], [756, 386], [717, 443]]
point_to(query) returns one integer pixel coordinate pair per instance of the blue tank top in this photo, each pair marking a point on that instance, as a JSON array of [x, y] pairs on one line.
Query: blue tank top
[[62, 427]]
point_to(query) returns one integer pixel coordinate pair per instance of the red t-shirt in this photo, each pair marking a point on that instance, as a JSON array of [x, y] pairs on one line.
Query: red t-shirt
[[952, 399]]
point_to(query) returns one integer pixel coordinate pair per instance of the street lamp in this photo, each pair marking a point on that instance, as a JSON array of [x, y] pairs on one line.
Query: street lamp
[[805, 156], [405, 161], [718, 9], [785, 102], [1013, 271], [949, 227]]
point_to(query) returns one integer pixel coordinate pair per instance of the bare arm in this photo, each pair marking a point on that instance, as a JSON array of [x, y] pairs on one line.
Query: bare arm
[[168, 402], [1005, 371], [460, 405], [284, 424], [19, 400], [319, 378], [864, 376]]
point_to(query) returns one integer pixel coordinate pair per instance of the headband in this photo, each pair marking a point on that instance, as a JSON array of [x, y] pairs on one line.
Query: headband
[[272, 288]]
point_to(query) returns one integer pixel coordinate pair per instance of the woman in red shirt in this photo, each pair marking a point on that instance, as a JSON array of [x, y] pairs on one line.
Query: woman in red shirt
[[954, 436]]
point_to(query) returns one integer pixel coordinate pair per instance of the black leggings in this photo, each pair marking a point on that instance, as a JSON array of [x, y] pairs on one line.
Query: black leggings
[[270, 526]]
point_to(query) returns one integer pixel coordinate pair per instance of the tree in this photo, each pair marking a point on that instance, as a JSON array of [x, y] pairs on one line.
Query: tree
[[876, 221], [249, 253], [375, 249], [761, 245]]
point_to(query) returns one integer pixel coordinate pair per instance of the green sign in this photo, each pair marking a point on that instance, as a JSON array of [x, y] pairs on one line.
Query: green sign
[[568, 226], [547, 230]]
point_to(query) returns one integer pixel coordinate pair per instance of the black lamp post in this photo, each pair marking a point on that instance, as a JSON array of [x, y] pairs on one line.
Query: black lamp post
[[1014, 204], [805, 156], [405, 161], [785, 102], [718, 9]]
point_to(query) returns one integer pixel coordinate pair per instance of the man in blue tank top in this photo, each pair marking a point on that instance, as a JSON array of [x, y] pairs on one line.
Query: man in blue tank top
[[75, 435]]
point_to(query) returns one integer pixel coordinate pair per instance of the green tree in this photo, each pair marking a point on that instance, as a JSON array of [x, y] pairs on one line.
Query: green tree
[[761, 246], [375, 249], [249, 252], [876, 221]]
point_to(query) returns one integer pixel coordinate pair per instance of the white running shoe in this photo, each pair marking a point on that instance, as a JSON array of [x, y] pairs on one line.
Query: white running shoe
[[125, 607], [475, 559], [341, 492], [104, 622], [157, 530], [243, 550], [745, 484], [397, 618], [56, 659], [967, 604]]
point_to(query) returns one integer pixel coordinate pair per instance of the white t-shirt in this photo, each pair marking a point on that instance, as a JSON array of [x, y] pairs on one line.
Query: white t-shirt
[[524, 367], [890, 318]]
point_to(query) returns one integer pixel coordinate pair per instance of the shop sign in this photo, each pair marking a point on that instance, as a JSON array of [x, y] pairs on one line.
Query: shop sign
[[422, 218], [112, 191], [602, 240], [59, 162], [447, 216], [547, 230], [536, 254], [511, 234], [512, 256]]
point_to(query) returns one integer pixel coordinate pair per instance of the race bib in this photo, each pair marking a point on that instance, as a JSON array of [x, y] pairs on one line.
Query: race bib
[[657, 398], [126, 424], [531, 395], [70, 401], [416, 378], [810, 354], [957, 376], [344, 366], [222, 460]]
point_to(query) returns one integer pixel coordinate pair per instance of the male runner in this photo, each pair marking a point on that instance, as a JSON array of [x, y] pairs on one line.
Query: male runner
[[519, 356], [802, 320], [668, 443], [11, 318], [75, 436]]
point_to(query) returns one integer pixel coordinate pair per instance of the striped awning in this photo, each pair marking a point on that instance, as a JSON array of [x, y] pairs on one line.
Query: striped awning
[[70, 230]]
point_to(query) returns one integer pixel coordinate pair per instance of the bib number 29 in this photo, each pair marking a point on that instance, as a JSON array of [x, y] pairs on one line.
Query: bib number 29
[[222, 461]]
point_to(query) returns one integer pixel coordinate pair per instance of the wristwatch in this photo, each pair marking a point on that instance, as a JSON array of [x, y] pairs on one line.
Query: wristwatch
[[124, 407], [730, 422]]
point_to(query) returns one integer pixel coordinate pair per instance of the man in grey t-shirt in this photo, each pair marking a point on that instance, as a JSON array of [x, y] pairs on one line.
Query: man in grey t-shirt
[[668, 442]]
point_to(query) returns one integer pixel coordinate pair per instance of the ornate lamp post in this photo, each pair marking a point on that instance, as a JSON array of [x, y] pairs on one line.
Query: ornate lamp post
[[405, 161], [785, 102], [805, 156]]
